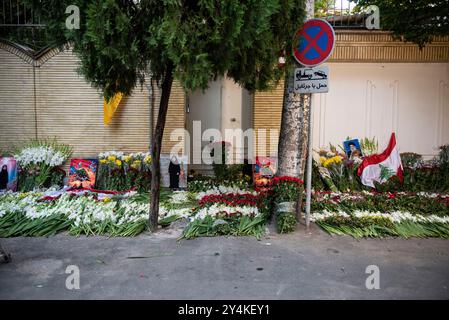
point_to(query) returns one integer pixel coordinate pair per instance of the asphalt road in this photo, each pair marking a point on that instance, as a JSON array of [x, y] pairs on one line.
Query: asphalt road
[[297, 266]]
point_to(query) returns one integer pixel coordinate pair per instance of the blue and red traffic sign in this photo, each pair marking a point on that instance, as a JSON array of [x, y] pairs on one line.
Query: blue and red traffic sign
[[313, 42]]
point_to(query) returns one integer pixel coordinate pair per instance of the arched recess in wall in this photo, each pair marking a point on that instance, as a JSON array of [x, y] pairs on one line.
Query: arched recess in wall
[[36, 58], [18, 103], [42, 95]]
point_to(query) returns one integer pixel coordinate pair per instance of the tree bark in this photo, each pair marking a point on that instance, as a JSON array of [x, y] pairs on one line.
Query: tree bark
[[156, 148], [289, 139], [292, 149]]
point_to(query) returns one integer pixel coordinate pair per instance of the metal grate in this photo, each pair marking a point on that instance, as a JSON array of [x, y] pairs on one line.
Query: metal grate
[[14, 13], [342, 14], [21, 25]]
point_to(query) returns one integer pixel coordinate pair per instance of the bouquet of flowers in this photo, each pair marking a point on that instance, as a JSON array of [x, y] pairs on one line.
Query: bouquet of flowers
[[337, 171], [137, 169], [38, 161], [285, 192], [118, 171], [110, 171], [227, 211]]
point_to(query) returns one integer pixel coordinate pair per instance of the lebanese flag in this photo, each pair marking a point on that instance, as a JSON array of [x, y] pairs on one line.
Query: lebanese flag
[[381, 167]]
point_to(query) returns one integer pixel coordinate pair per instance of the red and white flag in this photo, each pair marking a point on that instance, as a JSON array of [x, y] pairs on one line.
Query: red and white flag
[[381, 167]]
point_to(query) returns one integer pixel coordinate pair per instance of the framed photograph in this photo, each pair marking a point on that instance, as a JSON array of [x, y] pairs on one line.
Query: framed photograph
[[83, 173], [352, 149], [8, 174]]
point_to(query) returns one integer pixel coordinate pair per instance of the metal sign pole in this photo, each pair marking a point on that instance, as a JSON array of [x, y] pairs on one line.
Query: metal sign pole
[[312, 79], [309, 165]]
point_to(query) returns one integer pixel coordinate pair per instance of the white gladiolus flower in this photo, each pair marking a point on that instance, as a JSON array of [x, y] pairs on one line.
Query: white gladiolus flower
[[40, 155], [117, 154], [179, 197], [182, 212], [395, 217], [219, 208], [223, 190]]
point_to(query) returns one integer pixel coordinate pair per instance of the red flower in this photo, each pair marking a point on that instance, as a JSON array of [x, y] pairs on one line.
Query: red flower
[[391, 195], [230, 199], [278, 179]]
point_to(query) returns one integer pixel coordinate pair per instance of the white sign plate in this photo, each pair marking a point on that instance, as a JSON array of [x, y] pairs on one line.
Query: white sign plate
[[312, 80]]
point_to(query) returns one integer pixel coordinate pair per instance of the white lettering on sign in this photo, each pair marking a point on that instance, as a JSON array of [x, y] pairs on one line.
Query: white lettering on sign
[[373, 20]]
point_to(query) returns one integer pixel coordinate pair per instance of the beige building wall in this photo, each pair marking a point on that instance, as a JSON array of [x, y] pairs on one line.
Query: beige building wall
[[267, 119], [376, 99], [17, 113], [51, 99], [372, 95], [60, 103]]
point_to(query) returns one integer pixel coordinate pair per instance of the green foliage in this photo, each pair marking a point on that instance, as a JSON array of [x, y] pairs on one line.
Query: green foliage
[[286, 222], [235, 226], [119, 42], [443, 157], [225, 172], [411, 159], [284, 193], [417, 21], [39, 161], [380, 202], [27, 214], [322, 7], [382, 227], [200, 183], [419, 175], [121, 172], [355, 221], [17, 224], [369, 146], [234, 179]]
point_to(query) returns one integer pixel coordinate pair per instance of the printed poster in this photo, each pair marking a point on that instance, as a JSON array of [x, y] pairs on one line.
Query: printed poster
[[174, 171], [264, 169], [83, 173], [8, 174]]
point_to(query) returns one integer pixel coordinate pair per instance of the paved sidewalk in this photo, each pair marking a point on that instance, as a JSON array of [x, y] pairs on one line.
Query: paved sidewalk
[[295, 266]]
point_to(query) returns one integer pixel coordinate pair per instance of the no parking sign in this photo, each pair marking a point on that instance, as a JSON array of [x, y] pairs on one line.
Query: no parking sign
[[312, 45], [314, 42]]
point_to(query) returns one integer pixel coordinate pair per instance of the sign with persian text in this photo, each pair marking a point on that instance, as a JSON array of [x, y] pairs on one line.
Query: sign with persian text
[[312, 80]]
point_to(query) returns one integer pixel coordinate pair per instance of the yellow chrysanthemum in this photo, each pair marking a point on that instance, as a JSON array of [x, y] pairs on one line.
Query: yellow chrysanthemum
[[336, 160], [127, 158], [322, 160], [118, 162], [112, 158], [103, 161], [147, 159], [136, 164]]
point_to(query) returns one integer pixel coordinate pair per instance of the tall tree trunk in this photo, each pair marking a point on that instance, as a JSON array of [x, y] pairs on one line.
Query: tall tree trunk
[[292, 148], [294, 124], [156, 148]]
